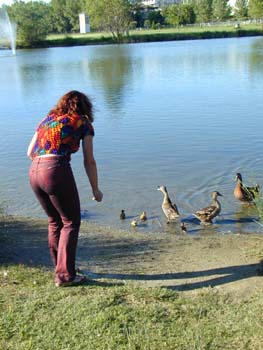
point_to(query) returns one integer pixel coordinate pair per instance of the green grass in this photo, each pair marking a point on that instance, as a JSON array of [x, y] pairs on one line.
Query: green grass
[[36, 315], [166, 34]]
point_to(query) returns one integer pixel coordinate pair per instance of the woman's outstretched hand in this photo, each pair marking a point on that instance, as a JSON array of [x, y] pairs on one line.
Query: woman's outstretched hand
[[97, 196]]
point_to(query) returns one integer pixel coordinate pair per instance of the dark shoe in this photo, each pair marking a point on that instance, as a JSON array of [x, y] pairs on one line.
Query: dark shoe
[[76, 282]]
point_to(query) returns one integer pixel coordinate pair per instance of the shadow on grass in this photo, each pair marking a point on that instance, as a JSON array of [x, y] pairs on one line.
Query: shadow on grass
[[93, 282], [25, 242], [227, 275]]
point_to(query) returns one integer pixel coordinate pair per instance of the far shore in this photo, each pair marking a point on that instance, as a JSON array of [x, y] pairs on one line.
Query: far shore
[[148, 35]]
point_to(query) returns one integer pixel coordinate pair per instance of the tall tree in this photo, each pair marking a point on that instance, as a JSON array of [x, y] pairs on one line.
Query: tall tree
[[256, 9], [241, 9], [221, 10], [203, 10], [138, 13], [186, 14], [179, 14], [171, 14], [60, 21], [31, 19], [110, 15], [155, 16]]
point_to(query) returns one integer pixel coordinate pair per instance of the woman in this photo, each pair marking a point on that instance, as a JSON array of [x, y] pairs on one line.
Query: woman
[[58, 136]]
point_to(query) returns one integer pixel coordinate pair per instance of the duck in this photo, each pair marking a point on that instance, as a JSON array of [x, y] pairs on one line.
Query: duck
[[206, 215], [170, 209], [243, 193], [143, 216], [122, 214], [183, 228]]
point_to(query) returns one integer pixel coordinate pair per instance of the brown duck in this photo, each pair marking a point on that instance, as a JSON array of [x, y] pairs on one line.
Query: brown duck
[[170, 209], [122, 215], [183, 228], [206, 215], [143, 216], [243, 193]]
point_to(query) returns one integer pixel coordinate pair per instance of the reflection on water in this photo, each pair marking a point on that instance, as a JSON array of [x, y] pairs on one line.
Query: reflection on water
[[111, 71], [256, 58], [187, 115]]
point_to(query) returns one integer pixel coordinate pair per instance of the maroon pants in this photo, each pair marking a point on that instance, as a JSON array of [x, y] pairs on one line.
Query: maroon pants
[[53, 183]]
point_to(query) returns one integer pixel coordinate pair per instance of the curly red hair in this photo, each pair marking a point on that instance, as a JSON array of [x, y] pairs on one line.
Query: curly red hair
[[74, 102]]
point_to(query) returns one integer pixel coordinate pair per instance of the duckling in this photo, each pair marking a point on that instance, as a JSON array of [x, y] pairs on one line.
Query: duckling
[[183, 228], [134, 223], [243, 193], [143, 216], [122, 215], [170, 210], [206, 215]]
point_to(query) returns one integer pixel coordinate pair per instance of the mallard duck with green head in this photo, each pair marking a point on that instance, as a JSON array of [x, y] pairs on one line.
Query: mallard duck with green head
[[243, 193]]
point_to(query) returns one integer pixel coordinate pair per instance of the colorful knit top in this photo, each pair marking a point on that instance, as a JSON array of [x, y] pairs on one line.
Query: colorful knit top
[[61, 135]]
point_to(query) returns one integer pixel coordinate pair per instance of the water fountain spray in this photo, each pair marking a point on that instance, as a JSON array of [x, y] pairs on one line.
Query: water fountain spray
[[7, 31]]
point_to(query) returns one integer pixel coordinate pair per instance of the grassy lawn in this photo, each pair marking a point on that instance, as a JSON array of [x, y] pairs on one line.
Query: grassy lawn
[[193, 29], [177, 293], [150, 35], [185, 33], [77, 36], [111, 315], [196, 29]]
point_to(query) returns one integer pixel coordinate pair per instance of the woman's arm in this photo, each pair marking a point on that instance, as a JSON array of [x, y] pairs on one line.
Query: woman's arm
[[31, 145], [91, 166]]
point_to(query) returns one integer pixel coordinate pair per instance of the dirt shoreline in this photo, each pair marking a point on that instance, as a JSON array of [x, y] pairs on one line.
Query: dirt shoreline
[[228, 263]]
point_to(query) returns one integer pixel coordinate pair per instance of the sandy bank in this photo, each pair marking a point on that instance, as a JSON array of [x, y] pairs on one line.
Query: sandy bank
[[184, 263]]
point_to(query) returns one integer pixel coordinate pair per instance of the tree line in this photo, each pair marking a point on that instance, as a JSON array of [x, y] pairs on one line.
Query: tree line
[[36, 19]]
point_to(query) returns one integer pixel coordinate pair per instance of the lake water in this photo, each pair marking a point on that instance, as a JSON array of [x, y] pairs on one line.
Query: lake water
[[187, 115]]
